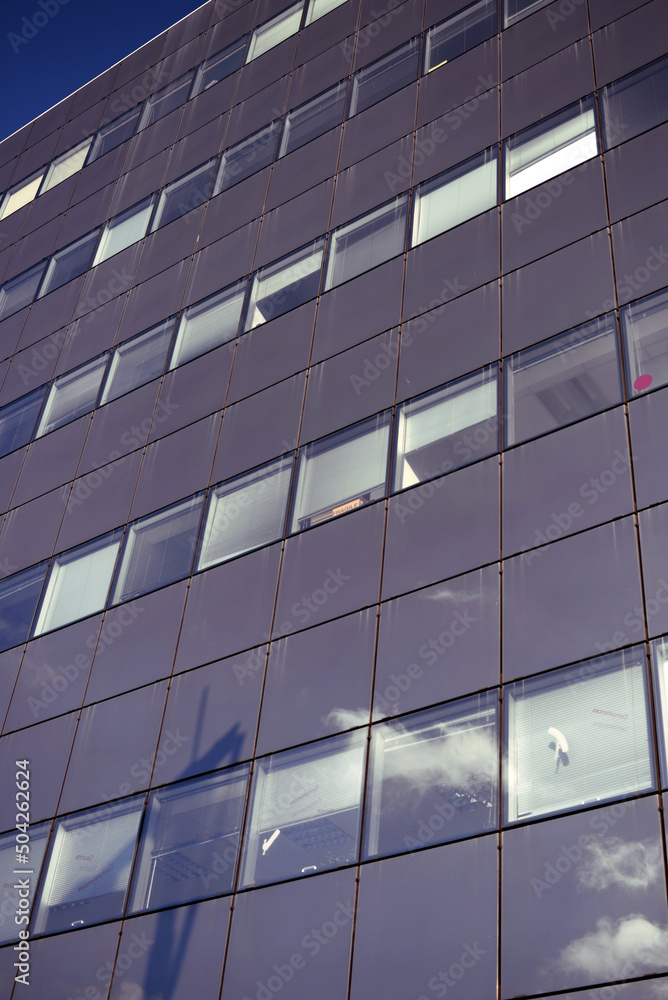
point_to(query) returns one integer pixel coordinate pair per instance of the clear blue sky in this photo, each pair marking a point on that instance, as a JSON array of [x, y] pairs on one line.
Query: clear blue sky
[[71, 43]]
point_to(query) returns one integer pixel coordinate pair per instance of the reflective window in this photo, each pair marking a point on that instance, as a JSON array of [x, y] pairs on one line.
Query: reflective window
[[159, 549], [564, 379], [137, 361], [216, 68], [385, 76], [18, 419], [247, 157], [578, 735], [515, 10], [366, 242], [645, 339], [78, 582], [274, 31], [305, 810], [318, 8], [33, 846], [66, 165], [460, 33], [124, 230], [161, 103], [313, 118], [447, 428], [556, 144], [19, 595], [72, 394], [114, 133], [89, 867], [282, 286], [246, 512], [69, 263], [455, 196], [21, 194], [209, 323], [635, 103], [183, 195], [341, 472], [190, 840], [20, 291], [659, 650], [433, 777]]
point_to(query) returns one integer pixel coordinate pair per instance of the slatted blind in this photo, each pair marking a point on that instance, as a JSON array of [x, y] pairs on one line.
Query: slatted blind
[[311, 789]]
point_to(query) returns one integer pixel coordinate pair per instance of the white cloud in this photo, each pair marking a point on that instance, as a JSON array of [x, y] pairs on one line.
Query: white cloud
[[633, 865], [344, 718], [630, 946]]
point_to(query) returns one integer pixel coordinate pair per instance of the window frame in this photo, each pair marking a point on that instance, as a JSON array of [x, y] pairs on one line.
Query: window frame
[[454, 181], [396, 207], [291, 15]]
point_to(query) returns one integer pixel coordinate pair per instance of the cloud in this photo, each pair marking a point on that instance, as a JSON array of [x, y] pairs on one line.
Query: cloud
[[628, 947], [633, 865], [344, 718]]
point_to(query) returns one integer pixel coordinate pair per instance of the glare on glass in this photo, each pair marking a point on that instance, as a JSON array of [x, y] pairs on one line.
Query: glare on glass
[[124, 230], [517, 9], [69, 263], [21, 194], [112, 135], [385, 76], [72, 395], [138, 360], [460, 33], [168, 99], [313, 118], [285, 285], [209, 323], [635, 103], [274, 31], [247, 157], [9, 885], [66, 165], [18, 419], [21, 290], [454, 196], [181, 196], [645, 338], [217, 67], [318, 8], [19, 595], [360, 245]]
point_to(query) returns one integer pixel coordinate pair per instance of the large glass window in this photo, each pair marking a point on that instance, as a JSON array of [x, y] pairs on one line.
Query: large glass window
[[216, 68], [124, 230], [385, 76], [21, 290], [551, 147], [305, 810], [66, 165], [168, 99], [341, 472], [246, 512], [635, 103], [159, 549], [274, 31], [247, 157], [209, 323], [9, 886], [318, 8], [564, 379], [137, 361], [69, 263], [515, 10], [455, 196], [460, 33], [115, 133], [190, 840], [18, 419], [433, 777], [89, 867], [72, 394], [367, 242], [659, 649], [21, 194], [577, 736], [19, 595], [282, 286], [78, 582], [185, 194], [313, 118], [447, 428], [645, 329]]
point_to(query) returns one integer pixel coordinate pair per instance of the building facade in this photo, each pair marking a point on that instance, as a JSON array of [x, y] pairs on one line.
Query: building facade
[[333, 531]]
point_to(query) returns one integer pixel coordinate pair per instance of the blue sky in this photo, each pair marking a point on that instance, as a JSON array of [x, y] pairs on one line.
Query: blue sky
[[49, 48]]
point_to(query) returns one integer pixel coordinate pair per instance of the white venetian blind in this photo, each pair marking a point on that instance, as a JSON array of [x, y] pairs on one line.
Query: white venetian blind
[[455, 201], [77, 587], [311, 789], [450, 415]]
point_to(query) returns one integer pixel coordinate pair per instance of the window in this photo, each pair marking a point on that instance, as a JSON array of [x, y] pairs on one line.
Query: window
[[318, 8], [247, 157], [659, 651], [385, 76], [564, 379], [19, 595], [159, 549], [9, 890], [217, 67], [21, 290], [72, 394], [69, 263], [183, 195], [645, 339], [137, 361], [635, 103], [190, 840], [577, 736], [66, 165], [112, 135], [305, 810], [21, 194], [124, 230], [274, 31], [434, 771], [468, 28], [367, 242], [246, 512], [313, 118], [447, 428], [455, 196], [168, 99], [18, 419], [89, 867], [78, 582], [209, 323], [554, 145], [341, 472], [282, 286], [517, 9]]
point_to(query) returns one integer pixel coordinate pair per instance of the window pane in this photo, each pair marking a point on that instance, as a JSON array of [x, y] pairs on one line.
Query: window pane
[[659, 650], [247, 157], [448, 428], [183, 195], [21, 194], [318, 8], [341, 472], [72, 394], [313, 118], [170, 97], [123, 230], [305, 810], [460, 33], [635, 103], [274, 31], [455, 196], [137, 361], [66, 165], [190, 840], [578, 735], [517, 9], [20, 291], [9, 896], [645, 328], [89, 867], [209, 323], [561, 380], [159, 549], [217, 67], [557, 144], [69, 263], [246, 512], [284, 285], [385, 76], [114, 133], [434, 771], [78, 582], [18, 419], [368, 241], [19, 595]]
